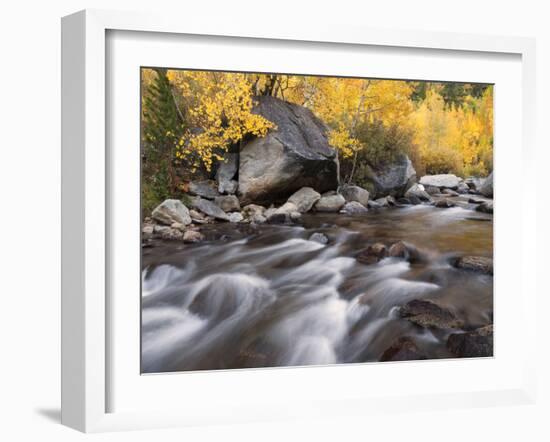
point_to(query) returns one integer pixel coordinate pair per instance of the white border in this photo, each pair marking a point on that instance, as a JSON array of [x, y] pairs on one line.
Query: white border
[[84, 202]]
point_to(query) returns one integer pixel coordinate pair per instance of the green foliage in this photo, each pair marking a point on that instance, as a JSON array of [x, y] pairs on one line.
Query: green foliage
[[161, 129], [380, 145]]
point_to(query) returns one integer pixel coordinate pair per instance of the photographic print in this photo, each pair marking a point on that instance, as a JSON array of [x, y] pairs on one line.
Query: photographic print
[[295, 220]]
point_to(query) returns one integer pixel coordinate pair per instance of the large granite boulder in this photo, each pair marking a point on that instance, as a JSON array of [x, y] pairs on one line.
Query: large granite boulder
[[294, 155], [445, 180], [171, 211], [392, 178], [486, 188]]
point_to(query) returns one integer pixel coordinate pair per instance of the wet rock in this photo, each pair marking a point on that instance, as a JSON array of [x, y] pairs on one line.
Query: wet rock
[[399, 250], [197, 217], [486, 188], [354, 194], [485, 207], [293, 155], [447, 180], [386, 201], [228, 203], [403, 349], [372, 254], [235, 217], [278, 218], [205, 189], [374, 205], [178, 226], [432, 190], [474, 344], [148, 229], [210, 209], [428, 314], [331, 203], [475, 201], [480, 264], [418, 191], [319, 237], [354, 208], [304, 199], [444, 204], [462, 188], [474, 183], [258, 219], [414, 200], [192, 236], [170, 233], [295, 216], [251, 210], [171, 211], [404, 201], [226, 172], [450, 192]]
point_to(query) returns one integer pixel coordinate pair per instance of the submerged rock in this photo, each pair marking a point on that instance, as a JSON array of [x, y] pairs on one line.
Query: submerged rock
[[485, 207], [477, 343], [171, 211], [480, 264], [402, 349], [444, 204], [372, 254], [428, 314], [331, 203], [192, 236], [294, 155], [319, 237]]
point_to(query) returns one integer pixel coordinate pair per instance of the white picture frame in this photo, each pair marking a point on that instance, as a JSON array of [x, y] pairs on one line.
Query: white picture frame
[[86, 317]]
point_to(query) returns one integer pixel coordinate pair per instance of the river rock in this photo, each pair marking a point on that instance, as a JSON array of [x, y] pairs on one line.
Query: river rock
[[450, 192], [447, 180], [331, 203], [402, 349], [171, 211], [354, 208], [480, 264], [294, 155], [372, 254], [226, 172], [258, 219], [374, 205], [474, 183], [485, 207], [444, 204], [169, 233], [210, 208], [235, 217], [399, 250], [304, 199], [197, 217], [319, 237], [228, 203], [462, 188], [354, 194], [204, 189], [486, 188], [432, 190], [386, 201], [251, 210], [392, 178], [428, 314], [148, 229], [418, 191], [192, 236], [474, 344]]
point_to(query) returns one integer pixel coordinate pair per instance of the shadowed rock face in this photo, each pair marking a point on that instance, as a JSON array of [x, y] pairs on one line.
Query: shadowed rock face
[[295, 155]]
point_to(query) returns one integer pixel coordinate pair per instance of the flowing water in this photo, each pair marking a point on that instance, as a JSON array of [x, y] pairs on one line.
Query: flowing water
[[267, 296]]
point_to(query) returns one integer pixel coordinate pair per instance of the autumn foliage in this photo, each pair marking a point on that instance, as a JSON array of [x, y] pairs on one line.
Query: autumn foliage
[[192, 118]]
